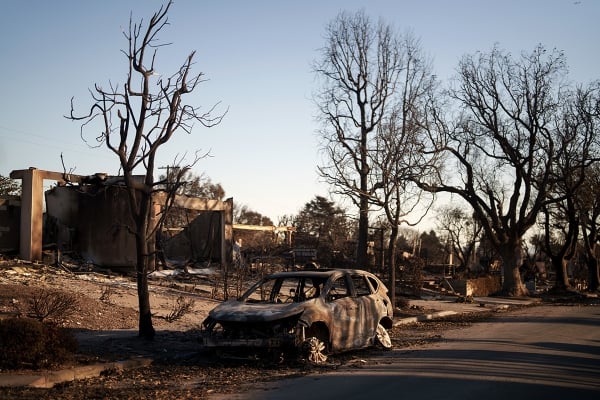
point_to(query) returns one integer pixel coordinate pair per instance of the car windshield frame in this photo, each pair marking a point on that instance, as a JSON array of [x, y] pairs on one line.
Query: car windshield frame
[[292, 288]]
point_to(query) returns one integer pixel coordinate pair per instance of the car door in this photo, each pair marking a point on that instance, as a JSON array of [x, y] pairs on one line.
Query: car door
[[344, 314], [369, 309]]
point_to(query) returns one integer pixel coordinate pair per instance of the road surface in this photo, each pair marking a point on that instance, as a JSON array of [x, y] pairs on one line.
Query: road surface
[[544, 352]]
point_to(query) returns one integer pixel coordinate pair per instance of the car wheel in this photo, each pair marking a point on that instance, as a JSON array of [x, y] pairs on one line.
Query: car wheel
[[382, 337], [314, 350]]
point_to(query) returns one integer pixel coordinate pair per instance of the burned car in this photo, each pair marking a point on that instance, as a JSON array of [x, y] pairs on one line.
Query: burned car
[[316, 312]]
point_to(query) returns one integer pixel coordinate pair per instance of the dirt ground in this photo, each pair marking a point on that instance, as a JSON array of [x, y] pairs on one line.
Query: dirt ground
[[105, 324], [107, 303]]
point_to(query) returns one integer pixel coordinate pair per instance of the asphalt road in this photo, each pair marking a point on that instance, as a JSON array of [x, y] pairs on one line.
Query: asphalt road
[[544, 352]]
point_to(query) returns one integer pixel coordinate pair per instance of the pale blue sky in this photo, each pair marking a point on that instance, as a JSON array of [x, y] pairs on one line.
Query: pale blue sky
[[257, 57]]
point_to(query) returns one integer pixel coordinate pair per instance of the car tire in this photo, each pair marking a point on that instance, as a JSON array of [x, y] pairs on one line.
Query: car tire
[[382, 337], [314, 350]]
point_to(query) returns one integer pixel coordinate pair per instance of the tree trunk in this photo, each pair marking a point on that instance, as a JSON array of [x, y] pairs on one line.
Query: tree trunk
[[593, 274], [144, 253], [145, 329], [391, 261], [363, 234], [512, 260], [562, 277]]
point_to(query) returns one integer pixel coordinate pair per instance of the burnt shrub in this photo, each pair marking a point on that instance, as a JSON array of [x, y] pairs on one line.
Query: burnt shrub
[[29, 343], [410, 276], [53, 305], [181, 308]]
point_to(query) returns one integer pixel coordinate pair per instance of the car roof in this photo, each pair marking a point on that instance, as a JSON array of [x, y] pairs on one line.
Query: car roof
[[321, 272]]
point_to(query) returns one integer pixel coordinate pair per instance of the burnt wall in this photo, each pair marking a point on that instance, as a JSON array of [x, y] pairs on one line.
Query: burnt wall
[[10, 223], [97, 221], [197, 242]]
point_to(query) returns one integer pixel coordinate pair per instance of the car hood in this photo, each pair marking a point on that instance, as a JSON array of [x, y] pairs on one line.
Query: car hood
[[236, 311]]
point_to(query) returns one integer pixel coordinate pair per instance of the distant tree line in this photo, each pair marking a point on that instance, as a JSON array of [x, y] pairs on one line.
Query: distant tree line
[[9, 187]]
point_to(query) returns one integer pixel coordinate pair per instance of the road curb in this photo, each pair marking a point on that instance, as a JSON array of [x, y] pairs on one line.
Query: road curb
[[49, 379], [424, 317], [485, 303]]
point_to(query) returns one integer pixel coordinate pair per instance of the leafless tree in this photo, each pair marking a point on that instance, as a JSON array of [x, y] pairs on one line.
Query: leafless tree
[[570, 209], [462, 231], [359, 69], [588, 108], [135, 121], [589, 219], [561, 231], [502, 144], [399, 152]]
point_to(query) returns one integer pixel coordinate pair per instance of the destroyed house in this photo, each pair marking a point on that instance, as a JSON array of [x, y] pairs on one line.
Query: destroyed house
[[89, 215]]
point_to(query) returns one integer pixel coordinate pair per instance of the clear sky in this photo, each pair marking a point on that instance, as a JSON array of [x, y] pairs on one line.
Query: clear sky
[[257, 56]]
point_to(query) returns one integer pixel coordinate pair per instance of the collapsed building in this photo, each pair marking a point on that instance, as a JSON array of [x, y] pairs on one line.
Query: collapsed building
[[89, 216]]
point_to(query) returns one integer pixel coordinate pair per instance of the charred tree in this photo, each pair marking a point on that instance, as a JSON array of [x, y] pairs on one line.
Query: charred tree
[[571, 207], [135, 121], [589, 216], [399, 152], [501, 144], [359, 69], [462, 231]]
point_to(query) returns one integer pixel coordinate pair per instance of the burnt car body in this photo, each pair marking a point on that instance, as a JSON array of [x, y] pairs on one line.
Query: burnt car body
[[317, 311]]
